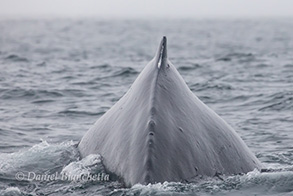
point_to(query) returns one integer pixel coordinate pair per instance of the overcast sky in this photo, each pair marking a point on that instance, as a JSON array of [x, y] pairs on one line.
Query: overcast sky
[[146, 8]]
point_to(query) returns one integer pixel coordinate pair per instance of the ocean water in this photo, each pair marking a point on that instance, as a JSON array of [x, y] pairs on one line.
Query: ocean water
[[58, 76]]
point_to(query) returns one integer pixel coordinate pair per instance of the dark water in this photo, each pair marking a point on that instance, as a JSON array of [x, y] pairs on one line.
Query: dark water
[[58, 76]]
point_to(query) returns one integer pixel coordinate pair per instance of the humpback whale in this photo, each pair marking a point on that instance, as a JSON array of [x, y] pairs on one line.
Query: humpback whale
[[160, 131]]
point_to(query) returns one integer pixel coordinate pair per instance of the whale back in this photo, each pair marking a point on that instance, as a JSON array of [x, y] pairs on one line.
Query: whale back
[[160, 131]]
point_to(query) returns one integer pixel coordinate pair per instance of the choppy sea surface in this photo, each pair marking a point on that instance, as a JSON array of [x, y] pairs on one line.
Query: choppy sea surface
[[58, 76]]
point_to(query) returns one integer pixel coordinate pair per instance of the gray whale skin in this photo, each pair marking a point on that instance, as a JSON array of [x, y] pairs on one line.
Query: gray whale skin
[[160, 131]]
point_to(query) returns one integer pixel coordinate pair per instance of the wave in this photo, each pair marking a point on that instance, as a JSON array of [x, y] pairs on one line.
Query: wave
[[21, 93], [18, 170], [11, 191], [16, 58], [123, 72], [40, 95], [40, 157], [210, 86], [252, 183], [80, 113], [64, 158], [278, 102], [189, 68], [245, 57], [101, 66]]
